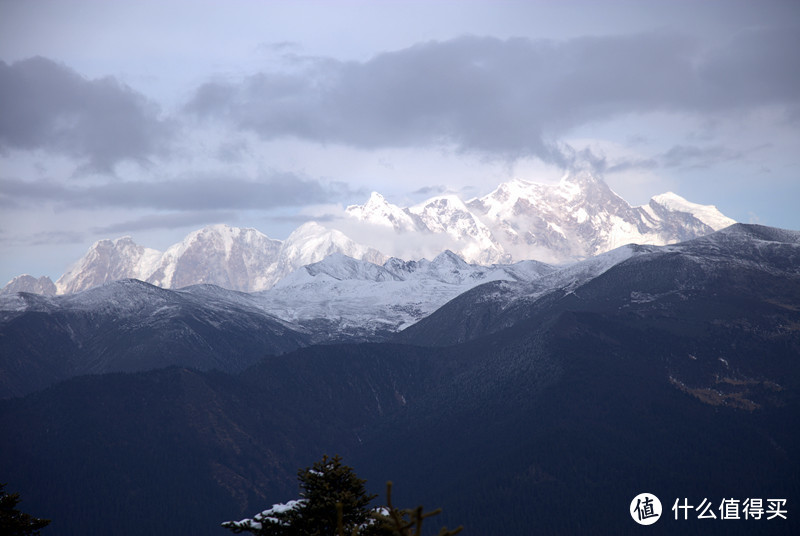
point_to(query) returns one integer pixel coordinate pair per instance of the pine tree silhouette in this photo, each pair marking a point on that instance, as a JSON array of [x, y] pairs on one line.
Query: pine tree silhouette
[[325, 485], [331, 496], [334, 502], [391, 521], [12, 521]]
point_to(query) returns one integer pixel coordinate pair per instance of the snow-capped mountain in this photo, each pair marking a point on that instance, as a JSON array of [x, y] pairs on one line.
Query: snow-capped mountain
[[129, 325], [27, 283], [575, 219], [449, 215], [221, 255], [226, 256], [109, 260], [380, 212], [310, 243], [707, 214], [679, 359], [349, 298], [238, 259], [659, 274]]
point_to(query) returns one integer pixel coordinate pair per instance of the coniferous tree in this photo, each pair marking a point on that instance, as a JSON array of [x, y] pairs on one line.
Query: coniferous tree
[[334, 502], [331, 496], [325, 485], [392, 521], [12, 521]]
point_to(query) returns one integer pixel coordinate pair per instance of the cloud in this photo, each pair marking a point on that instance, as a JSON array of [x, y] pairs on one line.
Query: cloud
[[430, 190], [390, 242], [49, 106], [56, 237], [196, 193], [697, 157], [756, 66], [300, 219], [632, 164], [43, 238], [165, 221], [508, 98]]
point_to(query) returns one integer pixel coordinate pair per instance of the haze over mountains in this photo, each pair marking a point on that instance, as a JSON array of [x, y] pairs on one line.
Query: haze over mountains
[[572, 220]]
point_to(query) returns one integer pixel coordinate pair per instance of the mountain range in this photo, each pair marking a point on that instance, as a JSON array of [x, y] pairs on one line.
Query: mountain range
[[657, 351], [130, 325], [538, 403], [577, 218]]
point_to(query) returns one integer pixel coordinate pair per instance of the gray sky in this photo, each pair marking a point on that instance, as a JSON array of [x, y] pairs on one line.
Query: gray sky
[[152, 119]]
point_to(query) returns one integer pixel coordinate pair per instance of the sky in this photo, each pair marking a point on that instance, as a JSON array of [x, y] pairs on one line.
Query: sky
[[153, 119]]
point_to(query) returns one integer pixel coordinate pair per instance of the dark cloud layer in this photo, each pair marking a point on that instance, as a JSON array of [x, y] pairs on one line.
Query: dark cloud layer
[[186, 194], [508, 97], [46, 105]]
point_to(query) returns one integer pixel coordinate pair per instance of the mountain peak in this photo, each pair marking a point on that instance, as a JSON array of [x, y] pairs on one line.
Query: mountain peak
[[109, 260], [339, 266], [216, 228], [312, 242], [582, 177], [575, 218], [451, 201], [375, 202], [123, 241], [113, 243], [708, 214], [376, 198], [377, 210], [448, 258], [27, 283], [225, 234]]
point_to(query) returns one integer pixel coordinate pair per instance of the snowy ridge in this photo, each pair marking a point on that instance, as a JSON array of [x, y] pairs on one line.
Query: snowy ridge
[[358, 297], [310, 243], [752, 245], [135, 299], [449, 215], [343, 298], [230, 257], [378, 211], [575, 219], [27, 283], [572, 276], [707, 214], [109, 260], [227, 256], [565, 278]]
